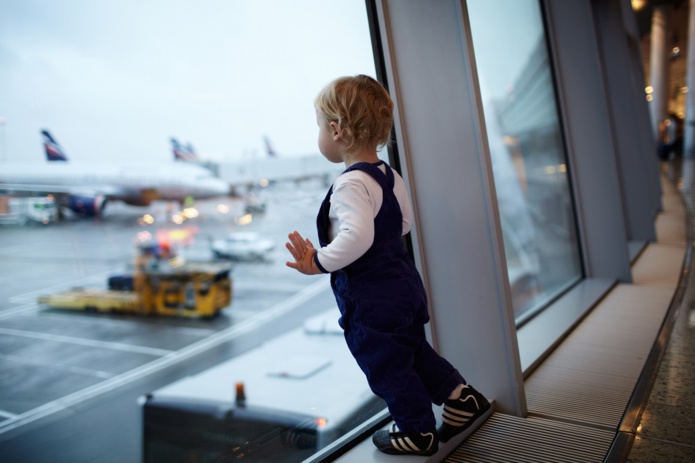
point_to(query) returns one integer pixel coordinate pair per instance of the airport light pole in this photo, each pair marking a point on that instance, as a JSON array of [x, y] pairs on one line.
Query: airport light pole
[[658, 75]]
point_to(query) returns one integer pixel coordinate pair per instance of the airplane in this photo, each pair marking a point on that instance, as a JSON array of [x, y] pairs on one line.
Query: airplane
[[85, 188], [53, 150], [188, 154], [183, 153], [250, 172], [270, 151]]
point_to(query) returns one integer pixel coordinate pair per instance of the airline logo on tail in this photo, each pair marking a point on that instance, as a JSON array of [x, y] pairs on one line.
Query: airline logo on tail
[[53, 150], [183, 153], [270, 151]]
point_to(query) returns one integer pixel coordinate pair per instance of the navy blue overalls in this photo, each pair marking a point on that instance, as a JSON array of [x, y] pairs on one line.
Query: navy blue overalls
[[383, 309]]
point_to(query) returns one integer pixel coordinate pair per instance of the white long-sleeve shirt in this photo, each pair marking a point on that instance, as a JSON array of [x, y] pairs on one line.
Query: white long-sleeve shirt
[[355, 202]]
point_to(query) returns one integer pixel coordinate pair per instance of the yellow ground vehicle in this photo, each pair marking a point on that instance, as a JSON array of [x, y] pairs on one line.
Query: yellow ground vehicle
[[161, 285]]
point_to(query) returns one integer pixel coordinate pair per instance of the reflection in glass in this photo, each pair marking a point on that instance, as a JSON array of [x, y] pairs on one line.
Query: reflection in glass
[[526, 150]]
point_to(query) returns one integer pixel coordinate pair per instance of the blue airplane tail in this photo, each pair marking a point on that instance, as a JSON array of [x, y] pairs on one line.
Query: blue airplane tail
[[183, 153], [53, 150], [269, 150]]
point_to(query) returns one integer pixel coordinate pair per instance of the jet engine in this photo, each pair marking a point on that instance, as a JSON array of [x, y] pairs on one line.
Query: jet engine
[[86, 205]]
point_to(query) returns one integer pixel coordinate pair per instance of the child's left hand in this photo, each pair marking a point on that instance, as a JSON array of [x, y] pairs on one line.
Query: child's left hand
[[303, 252]]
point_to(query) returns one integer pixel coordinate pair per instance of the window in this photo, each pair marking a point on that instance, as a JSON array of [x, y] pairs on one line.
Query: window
[[233, 82], [527, 151]]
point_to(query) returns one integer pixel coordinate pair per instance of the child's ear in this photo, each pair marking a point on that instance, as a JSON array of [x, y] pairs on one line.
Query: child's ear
[[337, 131]]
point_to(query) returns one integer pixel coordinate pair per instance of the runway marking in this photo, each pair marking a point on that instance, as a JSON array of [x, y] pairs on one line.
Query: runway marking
[[87, 342], [32, 307], [78, 370], [134, 322], [79, 282], [29, 307], [193, 330], [9, 415], [243, 313], [244, 327], [262, 286]]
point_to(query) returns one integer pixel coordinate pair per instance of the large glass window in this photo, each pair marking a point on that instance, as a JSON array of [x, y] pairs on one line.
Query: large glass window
[[157, 153], [526, 146]]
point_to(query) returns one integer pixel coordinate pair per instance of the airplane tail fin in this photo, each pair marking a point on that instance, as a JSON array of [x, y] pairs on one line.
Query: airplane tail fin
[[53, 150], [270, 151], [183, 153]]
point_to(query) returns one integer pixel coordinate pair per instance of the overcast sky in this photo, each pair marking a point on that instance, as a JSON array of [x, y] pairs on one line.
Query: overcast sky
[[115, 79]]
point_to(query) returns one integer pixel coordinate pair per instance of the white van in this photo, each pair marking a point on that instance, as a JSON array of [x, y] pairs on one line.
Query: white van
[[24, 210]]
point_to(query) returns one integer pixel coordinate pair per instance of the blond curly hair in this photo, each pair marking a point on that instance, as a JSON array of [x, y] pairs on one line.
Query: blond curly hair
[[362, 108]]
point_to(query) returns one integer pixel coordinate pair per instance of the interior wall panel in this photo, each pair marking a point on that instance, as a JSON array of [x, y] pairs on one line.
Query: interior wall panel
[[636, 159], [590, 143]]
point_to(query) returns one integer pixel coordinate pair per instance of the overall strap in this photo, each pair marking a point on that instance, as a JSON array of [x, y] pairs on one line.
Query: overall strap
[[385, 180]]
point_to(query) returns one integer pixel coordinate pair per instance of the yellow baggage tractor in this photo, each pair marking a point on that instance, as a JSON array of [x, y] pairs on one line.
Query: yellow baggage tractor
[[161, 285]]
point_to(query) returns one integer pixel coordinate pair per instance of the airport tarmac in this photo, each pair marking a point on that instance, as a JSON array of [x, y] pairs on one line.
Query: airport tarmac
[[70, 380]]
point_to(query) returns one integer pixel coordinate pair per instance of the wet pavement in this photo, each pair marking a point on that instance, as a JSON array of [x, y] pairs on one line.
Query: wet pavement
[[70, 380]]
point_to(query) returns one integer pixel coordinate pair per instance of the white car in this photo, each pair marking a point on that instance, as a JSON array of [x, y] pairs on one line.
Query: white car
[[242, 246]]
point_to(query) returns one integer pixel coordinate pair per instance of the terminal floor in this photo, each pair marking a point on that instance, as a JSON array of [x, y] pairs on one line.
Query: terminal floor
[[666, 432]]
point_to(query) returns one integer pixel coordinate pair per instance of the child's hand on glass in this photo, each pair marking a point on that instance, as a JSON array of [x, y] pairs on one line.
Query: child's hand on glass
[[303, 252]]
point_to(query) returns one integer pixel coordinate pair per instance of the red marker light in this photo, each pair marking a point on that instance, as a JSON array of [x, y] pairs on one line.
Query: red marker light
[[240, 394]]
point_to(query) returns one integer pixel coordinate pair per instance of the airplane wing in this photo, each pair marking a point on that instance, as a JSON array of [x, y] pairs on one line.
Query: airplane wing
[[103, 190]]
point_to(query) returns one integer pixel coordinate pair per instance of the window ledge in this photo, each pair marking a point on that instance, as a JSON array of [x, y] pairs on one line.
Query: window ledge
[[543, 333]]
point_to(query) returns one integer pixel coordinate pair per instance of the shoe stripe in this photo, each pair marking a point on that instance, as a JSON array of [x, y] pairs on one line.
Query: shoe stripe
[[469, 397], [410, 444], [398, 444], [459, 419], [455, 423], [454, 412], [456, 419], [431, 436], [404, 444]]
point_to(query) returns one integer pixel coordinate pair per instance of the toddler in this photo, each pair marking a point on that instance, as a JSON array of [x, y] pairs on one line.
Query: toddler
[[382, 300]]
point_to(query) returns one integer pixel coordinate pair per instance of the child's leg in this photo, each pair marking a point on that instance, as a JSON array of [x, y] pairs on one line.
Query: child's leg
[[463, 405], [439, 377], [387, 360]]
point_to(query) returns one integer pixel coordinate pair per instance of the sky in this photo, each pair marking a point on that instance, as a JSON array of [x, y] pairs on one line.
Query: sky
[[116, 79]]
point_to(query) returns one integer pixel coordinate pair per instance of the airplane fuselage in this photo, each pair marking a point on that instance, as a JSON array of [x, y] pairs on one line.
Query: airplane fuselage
[[137, 184]]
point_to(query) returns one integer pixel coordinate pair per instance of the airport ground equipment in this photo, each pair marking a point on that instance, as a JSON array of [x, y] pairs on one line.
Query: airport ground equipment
[[24, 210], [280, 402], [161, 285]]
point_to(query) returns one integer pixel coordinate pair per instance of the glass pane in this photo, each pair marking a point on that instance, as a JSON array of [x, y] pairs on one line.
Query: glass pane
[[135, 119], [528, 157]]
